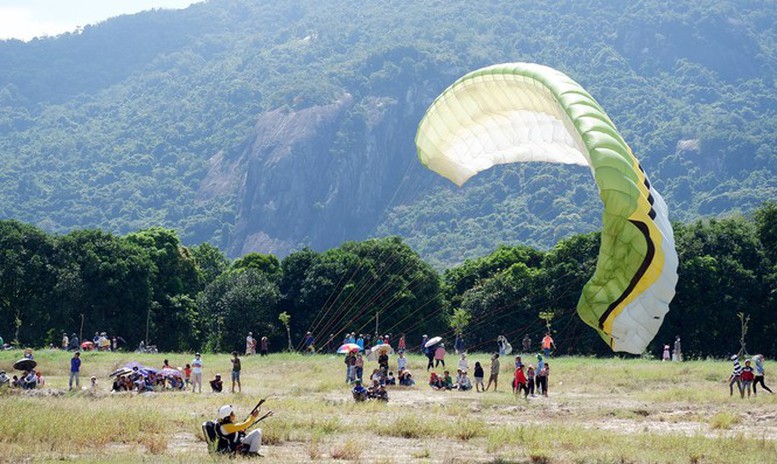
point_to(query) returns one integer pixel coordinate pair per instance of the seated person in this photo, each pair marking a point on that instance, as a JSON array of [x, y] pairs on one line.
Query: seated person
[[217, 385], [390, 380], [138, 382], [406, 378], [447, 380], [4, 380], [16, 382], [29, 381], [93, 383], [435, 381], [377, 391], [464, 383], [40, 379], [359, 392], [128, 384], [118, 384]]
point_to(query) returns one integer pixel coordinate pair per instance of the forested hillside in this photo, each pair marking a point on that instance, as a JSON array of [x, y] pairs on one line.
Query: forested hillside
[[270, 126]]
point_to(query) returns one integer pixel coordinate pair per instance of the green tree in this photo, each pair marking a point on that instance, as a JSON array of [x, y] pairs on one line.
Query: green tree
[[26, 277]]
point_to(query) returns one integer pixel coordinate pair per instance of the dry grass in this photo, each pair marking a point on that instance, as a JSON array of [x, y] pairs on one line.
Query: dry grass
[[599, 410]]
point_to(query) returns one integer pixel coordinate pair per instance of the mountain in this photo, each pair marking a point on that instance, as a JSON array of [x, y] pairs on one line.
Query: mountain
[[269, 126]]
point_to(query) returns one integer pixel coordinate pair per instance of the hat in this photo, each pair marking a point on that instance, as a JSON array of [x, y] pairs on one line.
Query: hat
[[196, 354], [225, 411], [218, 376]]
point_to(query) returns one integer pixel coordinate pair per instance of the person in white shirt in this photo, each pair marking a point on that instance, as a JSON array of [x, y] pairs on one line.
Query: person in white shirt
[[197, 373]]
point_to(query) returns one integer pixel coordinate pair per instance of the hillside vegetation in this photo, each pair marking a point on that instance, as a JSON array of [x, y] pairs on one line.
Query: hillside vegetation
[[119, 127]]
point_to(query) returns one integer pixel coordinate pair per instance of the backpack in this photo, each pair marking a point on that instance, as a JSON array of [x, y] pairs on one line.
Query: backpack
[[217, 441]]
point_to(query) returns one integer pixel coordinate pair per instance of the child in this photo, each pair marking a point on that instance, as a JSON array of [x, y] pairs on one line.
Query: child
[[519, 383], [748, 375], [478, 374], [530, 375], [187, 373], [94, 383], [666, 354], [447, 381]]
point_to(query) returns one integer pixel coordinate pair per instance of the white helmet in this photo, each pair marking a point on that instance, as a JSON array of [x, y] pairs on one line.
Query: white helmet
[[225, 411]]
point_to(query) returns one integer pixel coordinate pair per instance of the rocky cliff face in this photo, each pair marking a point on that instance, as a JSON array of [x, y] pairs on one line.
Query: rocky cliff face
[[316, 176]]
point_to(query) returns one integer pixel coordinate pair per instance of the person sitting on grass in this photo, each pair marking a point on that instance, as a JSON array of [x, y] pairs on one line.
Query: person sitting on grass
[[118, 384], [42, 381], [435, 381], [4, 380], [30, 381], [447, 380], [235, 432], [463, 383], [390, 379], [406, 378], [377, 391], [359, 392], [217, 385]]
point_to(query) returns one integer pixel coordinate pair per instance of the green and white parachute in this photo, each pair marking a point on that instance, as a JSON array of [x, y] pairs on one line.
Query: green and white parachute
[[522, 112]]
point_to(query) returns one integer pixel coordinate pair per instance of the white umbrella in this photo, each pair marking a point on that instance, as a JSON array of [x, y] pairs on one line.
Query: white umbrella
[[432, 341], [377, 350]]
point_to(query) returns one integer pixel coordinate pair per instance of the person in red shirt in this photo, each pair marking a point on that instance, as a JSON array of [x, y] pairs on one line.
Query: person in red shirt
[[747, 377], [519, 383]]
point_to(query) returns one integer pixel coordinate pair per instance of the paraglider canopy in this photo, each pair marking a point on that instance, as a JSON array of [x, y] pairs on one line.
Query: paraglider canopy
[[522, 112]]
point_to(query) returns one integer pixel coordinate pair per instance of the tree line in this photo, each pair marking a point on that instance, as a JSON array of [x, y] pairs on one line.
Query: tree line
[[147, 286]]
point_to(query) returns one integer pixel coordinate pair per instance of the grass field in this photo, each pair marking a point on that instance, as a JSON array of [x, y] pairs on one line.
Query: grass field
[[598, 411]]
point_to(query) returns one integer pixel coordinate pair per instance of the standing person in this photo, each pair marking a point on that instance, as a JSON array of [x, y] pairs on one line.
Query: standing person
[[735, 377], [383, 361], [665, 356], [547, 344], [236, 372], [439, 355], [65, 341], [458, 345], [519, 383], [187, 375], [544, 377], [250, 347], [263, 346], [308, 341], [74, 343], [424, 339], [401, 362], [759, 374], [359, 366], [75, 370], [350, 367], [501, 341], [429, 352], [747, 376], [677, 353], [197, 373], [540, 367], [463, 363], [530, 377], [401, 344], [494, 377], [478, 374], [526, 344]]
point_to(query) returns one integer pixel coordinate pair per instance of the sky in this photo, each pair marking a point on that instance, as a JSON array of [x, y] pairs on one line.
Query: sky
[[26, 19]]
